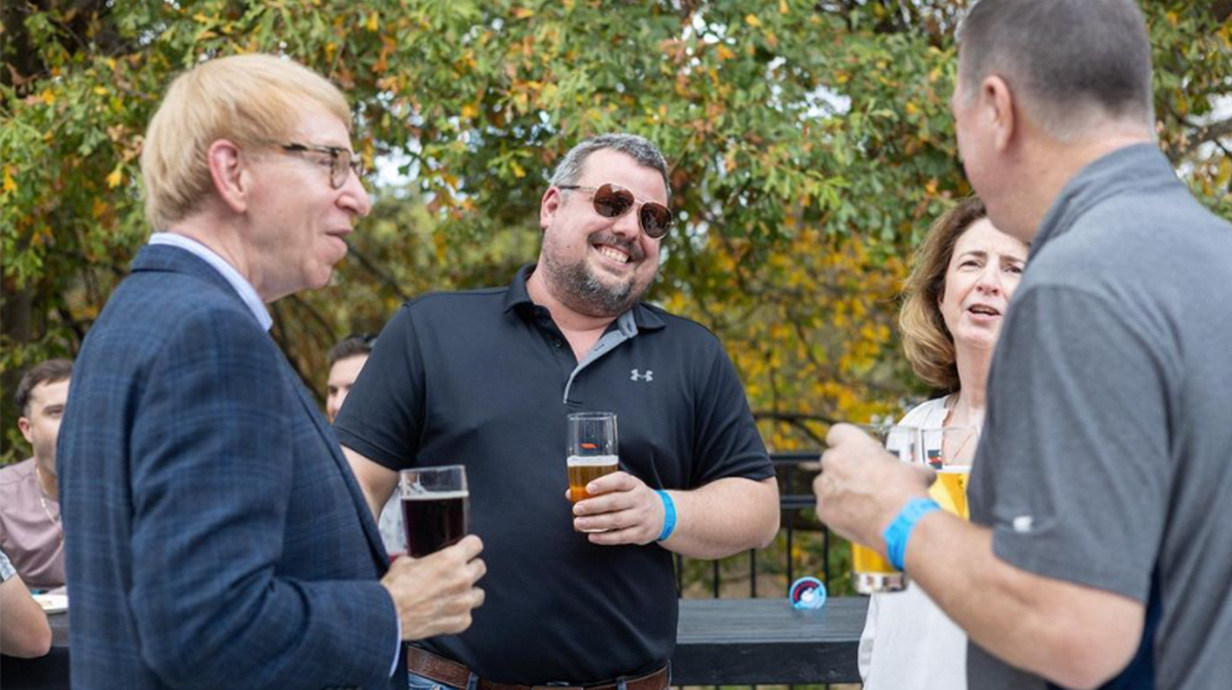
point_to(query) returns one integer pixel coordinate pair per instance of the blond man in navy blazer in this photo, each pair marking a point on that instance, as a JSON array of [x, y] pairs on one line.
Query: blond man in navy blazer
[[219, 537]]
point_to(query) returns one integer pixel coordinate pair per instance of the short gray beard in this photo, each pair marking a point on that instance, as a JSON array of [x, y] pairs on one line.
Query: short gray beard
[[578, 288]]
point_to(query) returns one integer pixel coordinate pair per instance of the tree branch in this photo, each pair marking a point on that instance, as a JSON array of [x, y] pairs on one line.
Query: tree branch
[[383, 276]]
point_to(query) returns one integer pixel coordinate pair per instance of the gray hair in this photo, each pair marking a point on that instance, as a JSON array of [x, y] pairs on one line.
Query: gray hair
[[638, 148], [1076, 63]]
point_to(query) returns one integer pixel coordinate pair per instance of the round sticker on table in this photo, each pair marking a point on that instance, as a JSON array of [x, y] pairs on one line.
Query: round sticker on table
[[807, 593]]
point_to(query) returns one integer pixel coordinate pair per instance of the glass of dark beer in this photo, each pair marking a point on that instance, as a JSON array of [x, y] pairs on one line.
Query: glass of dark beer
[[435, 508]]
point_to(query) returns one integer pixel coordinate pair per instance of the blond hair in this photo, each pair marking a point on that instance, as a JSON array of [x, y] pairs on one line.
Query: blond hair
[[246, 99], [928, 344]]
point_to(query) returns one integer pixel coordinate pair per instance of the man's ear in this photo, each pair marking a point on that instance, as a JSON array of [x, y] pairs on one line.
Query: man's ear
[[548, 206], [999, 100], [230, 175], [23, 425]]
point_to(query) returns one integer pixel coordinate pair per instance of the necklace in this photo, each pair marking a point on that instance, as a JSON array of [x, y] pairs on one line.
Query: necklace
[[955, 455], [43, 502]]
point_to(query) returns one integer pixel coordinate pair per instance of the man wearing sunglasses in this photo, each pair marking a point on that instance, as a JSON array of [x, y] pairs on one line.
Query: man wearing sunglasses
[[486, 378], [218, 538]]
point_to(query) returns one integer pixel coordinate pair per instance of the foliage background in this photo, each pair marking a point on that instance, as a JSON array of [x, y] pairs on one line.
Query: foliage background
[[810, 145]]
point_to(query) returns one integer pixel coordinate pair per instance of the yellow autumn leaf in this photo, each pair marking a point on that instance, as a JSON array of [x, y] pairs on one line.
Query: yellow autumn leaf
[[1222, 175], [752, 20], [100, 91], [782, 6], [372, 22], [470, 111], [10, 185], [523, 13], [518, 172], [48, 97], [115, 178]]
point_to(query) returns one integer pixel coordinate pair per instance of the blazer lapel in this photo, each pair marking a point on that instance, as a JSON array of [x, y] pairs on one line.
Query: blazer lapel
[[335, 451]]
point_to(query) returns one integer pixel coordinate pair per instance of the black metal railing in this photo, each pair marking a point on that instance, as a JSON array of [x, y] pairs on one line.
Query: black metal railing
[[803, 547]]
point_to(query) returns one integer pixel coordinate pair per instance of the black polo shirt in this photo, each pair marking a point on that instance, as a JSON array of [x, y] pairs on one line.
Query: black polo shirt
[[484, 379]]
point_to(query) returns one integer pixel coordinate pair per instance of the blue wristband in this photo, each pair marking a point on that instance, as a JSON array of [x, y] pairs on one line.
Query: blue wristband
[[899, 531], [669, 515]]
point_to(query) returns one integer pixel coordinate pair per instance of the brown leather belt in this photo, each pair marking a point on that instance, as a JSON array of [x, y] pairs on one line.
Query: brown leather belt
[[449, 672]]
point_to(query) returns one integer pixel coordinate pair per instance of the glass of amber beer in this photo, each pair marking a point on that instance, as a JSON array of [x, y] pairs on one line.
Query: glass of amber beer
[[591, 451], [949, 450], [435, 508], [870, 571]]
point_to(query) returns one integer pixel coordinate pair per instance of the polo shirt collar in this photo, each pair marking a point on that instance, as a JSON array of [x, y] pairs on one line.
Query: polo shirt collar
[[517, 295], [645, 319], [638, 318], [1133, 167]]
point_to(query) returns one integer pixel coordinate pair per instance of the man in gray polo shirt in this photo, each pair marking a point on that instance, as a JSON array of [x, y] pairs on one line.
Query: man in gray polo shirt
[[1094, 556]]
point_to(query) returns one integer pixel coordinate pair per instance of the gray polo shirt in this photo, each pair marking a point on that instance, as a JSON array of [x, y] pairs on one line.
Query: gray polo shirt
[[1107, 454]]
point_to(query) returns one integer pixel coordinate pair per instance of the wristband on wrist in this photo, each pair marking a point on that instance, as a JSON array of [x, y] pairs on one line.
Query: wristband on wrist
[[669, 515], [899, 531]]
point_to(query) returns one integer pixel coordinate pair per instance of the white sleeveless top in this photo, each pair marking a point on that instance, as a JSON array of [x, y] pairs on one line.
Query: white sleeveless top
[[908, 643]]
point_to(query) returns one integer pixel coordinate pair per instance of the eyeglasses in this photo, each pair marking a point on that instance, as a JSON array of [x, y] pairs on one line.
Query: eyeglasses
[[613, 201], [341, 161]]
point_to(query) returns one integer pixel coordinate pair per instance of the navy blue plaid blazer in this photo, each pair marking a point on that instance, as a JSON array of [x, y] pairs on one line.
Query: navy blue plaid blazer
[[216, 537]]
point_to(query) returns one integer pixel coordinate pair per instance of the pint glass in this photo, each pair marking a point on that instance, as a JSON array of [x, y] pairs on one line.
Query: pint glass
[[435, 508], [870, 571], [591, 451], [949, 451]]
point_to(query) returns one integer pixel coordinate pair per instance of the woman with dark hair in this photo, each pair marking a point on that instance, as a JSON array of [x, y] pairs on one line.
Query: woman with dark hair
[[955, 299]]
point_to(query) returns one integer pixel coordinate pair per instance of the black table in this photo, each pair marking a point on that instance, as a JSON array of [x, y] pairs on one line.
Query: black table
[[766, 641], [719, 642]]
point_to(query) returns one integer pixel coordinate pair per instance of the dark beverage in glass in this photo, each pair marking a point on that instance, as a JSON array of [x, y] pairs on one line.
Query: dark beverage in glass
[[434, 521], [435, 508]]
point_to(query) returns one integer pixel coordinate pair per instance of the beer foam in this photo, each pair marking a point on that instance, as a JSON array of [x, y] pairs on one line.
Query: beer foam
[[436, 495], [592, 460], [953, 469]]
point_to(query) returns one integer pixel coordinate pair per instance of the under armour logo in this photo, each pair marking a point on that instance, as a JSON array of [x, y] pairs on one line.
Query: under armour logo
[[635, 376]]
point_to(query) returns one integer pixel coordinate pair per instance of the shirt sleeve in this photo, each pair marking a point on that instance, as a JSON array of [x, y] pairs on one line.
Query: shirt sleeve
[[726, 439], [1076, 447], [383, 416]]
